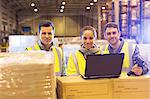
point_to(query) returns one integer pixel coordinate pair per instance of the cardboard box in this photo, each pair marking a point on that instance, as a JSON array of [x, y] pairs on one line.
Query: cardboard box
[[78, 88], [131, 88], [115, 88], [27, 76]]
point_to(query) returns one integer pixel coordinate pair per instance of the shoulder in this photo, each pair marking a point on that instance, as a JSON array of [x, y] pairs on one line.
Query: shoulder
[[79, 52], [57, 48], [32, 47]]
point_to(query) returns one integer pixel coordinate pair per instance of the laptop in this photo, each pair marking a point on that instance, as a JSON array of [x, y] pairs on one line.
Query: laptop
[[103, 66]]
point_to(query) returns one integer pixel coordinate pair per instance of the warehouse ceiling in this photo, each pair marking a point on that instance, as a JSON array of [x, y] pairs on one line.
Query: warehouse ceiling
[[52, 6], [46, 8]]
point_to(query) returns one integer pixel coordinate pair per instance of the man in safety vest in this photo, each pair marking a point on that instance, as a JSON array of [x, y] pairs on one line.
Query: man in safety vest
[[45, 42], [133, 63], [77, 60]]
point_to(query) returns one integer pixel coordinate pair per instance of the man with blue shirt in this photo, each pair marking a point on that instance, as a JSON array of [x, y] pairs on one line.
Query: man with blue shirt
[[133, 63]]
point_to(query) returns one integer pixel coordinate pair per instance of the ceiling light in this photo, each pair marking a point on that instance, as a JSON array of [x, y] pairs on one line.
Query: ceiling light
[[94, 0], [103, 8], [32, 4], [91, 3], [88, 8], [61, 10], [63, 3], [35, 10], [62, 7]]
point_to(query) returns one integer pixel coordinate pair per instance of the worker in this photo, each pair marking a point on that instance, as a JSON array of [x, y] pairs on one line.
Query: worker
[[133, 63], [77, 61], [45, 42]]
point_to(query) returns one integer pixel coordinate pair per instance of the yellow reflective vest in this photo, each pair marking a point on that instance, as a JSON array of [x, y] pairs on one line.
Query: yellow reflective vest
[[126, 61], [76, 64], [58, 57]]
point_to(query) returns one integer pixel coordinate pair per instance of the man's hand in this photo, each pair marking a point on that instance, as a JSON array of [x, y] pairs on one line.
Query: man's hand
[[137, 70]]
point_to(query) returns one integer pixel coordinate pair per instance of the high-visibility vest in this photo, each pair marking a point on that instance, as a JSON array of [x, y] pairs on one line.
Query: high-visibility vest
[[76, 64], [58, 57], [127, 62]]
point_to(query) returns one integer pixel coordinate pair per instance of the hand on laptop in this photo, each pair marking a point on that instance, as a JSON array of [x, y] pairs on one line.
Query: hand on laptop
[[137, 70]]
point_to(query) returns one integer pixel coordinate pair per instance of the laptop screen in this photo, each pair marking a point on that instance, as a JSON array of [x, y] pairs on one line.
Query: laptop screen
[[104, 65]]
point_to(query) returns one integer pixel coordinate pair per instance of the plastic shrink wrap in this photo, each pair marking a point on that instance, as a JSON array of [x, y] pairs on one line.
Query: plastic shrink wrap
[[28, 75]]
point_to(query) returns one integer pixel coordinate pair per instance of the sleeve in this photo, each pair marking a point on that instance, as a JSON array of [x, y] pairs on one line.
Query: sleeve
[[137, 59], [71, 68]]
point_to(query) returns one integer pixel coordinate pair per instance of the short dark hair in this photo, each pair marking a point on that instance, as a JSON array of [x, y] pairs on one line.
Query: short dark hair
[[111, 25], [88, 28], [46, 24]]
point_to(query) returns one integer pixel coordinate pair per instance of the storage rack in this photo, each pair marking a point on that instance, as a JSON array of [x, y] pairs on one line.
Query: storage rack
[[107, 15], [131, 19]]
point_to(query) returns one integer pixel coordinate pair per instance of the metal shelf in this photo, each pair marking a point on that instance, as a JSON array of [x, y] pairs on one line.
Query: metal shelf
[[132, 19]]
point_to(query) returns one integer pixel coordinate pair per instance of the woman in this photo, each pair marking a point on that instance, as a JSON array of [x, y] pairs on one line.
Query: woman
[[77, 61]]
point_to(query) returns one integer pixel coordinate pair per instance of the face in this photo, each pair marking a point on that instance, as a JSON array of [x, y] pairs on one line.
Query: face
[[88, 39], [112, 35], [46, 34]]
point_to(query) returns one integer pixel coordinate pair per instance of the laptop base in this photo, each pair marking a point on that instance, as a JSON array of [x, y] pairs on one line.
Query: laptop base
[[98, 77]]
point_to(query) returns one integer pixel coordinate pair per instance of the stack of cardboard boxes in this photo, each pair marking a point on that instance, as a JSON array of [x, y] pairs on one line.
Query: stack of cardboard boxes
[[27, 76]]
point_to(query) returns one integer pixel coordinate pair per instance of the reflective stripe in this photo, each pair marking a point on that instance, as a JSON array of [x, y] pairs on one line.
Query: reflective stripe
[[37, 47], [58, 73], [131, 48], [76, 63], [125, 69], [60, 63]]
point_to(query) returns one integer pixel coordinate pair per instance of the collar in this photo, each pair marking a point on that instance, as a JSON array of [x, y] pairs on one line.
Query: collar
[[42, 47], [111, 50], [90, 51]]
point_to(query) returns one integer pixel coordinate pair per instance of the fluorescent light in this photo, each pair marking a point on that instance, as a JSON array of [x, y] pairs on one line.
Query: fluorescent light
[[88, 8], [91, 3], [62, 7], [35, 10], [94, 0], [32, 4], [103, 8], [63, 2], [61, 10]]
